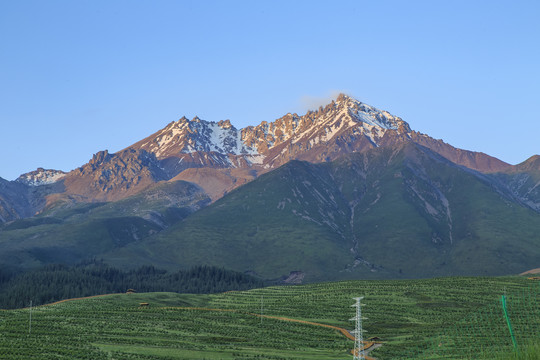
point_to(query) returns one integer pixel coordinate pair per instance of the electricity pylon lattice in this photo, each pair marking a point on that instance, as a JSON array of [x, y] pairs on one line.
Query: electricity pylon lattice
[[358, 351]]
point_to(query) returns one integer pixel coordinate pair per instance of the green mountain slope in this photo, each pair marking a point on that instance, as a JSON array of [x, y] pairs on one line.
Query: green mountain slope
[[523, 181], [266, 227], [387, 213], [71, 233]]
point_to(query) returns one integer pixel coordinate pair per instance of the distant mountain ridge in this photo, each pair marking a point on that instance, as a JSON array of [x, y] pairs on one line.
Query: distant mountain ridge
[[343, 126], [345, 191], [218, 157]]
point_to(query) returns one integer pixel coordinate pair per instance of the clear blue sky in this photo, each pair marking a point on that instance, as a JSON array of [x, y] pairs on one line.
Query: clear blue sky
[[82, 76]]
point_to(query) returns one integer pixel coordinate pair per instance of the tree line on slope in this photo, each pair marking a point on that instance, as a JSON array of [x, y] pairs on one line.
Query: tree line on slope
[[56, 282]]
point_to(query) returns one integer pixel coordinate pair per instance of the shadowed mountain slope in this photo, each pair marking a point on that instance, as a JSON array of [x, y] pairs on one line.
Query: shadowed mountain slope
[[389, 212], [74, 232]]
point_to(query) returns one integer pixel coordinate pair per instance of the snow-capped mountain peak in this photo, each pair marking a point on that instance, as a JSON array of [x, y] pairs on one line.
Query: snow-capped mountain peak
[[197, 135], [200, 142], [345, 115], [369, 114], [41, 177]]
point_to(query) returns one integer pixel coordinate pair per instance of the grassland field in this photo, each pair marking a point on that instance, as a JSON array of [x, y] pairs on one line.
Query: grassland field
[[408, 316]]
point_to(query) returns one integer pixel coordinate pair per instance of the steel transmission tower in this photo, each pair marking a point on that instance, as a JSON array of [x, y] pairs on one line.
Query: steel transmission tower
[[358, 351]]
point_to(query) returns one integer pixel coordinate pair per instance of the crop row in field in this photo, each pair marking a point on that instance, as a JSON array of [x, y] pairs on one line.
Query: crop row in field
[[409, 316]]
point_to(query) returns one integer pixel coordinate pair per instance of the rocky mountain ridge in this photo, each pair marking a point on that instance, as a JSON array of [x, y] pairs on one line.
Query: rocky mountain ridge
[[343, 126], [219, 157], [269, 144], [41, 176]]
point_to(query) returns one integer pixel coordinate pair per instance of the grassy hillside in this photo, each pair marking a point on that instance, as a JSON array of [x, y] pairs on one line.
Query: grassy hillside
[[68, 233], [260, 227], [424, 216], [387, 213], [407, 315]]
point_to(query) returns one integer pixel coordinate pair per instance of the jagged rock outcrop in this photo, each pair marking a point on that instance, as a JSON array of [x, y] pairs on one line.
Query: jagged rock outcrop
[[114, 176]]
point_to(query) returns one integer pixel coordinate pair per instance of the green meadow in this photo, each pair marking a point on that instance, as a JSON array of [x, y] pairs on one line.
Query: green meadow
[[429, 319]]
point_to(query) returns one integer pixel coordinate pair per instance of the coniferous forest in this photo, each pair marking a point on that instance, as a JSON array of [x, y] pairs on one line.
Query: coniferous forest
[[56, 282]]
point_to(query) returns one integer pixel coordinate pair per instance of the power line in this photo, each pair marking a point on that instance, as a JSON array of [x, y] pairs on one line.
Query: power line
[[358, 351]]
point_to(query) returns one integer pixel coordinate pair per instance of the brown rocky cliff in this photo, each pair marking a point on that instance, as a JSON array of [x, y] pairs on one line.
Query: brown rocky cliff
[[114, 176]]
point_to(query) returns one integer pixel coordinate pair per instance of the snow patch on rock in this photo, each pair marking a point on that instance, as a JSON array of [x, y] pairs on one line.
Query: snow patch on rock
[[41, 177]]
